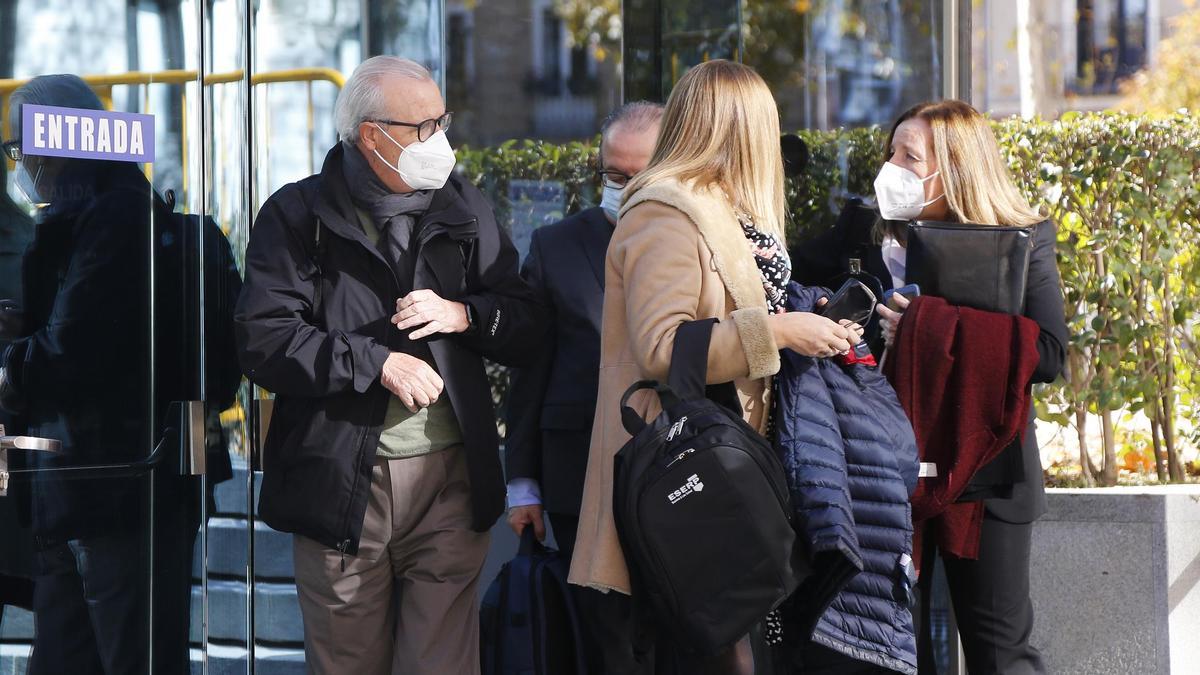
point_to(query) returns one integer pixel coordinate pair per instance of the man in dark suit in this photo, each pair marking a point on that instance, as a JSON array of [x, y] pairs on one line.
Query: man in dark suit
[[552, 403]]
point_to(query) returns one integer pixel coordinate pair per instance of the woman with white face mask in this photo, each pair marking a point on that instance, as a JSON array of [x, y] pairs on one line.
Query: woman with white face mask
[[943, 164]]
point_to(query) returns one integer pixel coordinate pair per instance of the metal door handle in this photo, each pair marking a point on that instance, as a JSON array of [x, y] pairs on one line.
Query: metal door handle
[[186, 427], [21, 443], [193, 450], [263, 408], [29, 443]]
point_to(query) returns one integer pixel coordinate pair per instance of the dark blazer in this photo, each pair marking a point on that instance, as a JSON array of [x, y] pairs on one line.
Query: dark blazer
[[827, 257], [552, 403], [312, 327], [1011, 485], [1020, 465]]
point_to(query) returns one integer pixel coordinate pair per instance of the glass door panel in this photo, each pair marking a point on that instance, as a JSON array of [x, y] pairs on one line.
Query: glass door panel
[[224, 199], [107, 393]]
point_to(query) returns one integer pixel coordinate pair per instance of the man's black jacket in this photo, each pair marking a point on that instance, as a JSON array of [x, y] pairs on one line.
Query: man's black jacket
[[313, 327]]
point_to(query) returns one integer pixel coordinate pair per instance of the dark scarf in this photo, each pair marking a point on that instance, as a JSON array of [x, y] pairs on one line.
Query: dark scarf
[[394, 214]]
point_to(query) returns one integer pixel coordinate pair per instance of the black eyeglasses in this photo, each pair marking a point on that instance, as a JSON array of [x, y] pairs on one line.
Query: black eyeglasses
[[614, 179], [426, 129], [12, 150]]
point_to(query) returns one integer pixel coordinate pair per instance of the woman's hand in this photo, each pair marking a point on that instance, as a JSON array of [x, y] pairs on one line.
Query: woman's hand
[[889, 318], [814, 335]]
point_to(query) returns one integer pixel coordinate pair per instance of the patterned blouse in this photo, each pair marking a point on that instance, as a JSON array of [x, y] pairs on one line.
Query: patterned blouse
[[773, 263], [775, 267]]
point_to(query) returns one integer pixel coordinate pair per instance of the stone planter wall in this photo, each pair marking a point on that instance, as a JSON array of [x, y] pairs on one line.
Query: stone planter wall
[[1116, 581]]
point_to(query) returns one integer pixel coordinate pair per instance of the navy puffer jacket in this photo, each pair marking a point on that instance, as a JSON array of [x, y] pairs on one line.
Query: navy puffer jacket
[[851, 461]]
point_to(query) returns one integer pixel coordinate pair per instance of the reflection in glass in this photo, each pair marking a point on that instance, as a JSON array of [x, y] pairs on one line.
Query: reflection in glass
[[831, 63], [109, 515], [113, 235], [837, 63], [1111, 44], [225, 604], [666, 37], [548, 70]]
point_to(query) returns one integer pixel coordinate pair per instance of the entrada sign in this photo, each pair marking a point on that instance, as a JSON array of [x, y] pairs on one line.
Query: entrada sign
[[86, 134]]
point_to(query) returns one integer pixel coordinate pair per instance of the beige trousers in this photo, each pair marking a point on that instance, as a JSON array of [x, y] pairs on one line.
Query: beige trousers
[[407, 604]]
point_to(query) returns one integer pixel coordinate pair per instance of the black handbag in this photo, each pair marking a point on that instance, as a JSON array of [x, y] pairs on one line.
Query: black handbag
[[980, 266]]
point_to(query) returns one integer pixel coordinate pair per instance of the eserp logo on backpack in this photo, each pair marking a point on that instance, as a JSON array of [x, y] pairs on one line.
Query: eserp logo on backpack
[[693, 484]]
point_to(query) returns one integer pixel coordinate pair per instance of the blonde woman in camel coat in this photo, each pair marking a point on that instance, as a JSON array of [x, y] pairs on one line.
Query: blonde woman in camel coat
[[679, 254]]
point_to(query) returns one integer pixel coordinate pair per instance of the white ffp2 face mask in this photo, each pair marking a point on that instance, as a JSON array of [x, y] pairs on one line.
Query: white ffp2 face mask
[[611, 202], [424, 165], [900, 193]]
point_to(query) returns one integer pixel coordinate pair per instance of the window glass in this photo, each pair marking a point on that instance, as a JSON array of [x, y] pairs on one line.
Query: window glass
[[666, 37], [554, 84], [845, 63], [1111, 44]]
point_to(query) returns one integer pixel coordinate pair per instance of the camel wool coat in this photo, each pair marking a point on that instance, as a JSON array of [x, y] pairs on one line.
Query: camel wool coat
[[678, 254]]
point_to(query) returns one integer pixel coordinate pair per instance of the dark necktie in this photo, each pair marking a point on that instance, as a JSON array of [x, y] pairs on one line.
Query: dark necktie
[[396, 215]]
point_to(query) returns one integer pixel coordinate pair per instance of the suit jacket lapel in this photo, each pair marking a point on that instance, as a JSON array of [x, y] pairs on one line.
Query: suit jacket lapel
[[594, 240]]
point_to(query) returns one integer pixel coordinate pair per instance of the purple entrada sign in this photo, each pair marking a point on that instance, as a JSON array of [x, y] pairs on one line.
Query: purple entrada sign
[[86, 134]]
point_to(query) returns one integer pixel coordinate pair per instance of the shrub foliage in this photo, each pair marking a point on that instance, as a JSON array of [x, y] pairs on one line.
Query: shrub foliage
[[1125, 192]]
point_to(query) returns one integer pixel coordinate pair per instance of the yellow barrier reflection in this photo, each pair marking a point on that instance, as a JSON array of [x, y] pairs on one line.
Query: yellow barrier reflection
[[103, 86]]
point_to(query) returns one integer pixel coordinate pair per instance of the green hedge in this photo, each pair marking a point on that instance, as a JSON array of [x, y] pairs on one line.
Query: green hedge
[[1125, 192], [842, 162]]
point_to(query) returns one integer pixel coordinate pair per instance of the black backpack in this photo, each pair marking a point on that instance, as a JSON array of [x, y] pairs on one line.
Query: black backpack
[[702, 508], [528, 622]]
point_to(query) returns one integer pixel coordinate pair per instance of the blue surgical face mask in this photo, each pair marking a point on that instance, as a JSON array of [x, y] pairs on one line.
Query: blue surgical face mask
[[611, 202]]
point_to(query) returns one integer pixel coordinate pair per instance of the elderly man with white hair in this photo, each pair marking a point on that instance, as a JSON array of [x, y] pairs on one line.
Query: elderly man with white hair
[[374, 290]]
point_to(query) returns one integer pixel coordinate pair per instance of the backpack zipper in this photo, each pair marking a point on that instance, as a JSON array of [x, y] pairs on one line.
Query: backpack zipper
[[676, 428], [680, 456]]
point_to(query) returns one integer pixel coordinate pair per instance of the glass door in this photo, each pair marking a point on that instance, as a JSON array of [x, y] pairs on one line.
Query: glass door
[[119, 377]]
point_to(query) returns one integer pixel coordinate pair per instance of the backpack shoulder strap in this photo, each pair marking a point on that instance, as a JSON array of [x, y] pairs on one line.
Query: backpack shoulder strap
[[688, 373]]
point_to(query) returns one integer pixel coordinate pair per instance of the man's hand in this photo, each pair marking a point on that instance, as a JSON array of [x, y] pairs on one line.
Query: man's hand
[[520, 516], [425, 308], [412, 380]]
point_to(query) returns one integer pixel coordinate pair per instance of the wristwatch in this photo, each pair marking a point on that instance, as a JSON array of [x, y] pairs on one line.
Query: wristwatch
[[472, 322]]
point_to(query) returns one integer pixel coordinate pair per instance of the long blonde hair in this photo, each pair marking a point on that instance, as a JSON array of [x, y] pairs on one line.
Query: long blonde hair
[[979, 187], [720, 131]]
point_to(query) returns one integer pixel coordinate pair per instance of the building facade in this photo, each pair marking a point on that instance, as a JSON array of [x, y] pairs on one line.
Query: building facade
[[1079, 51]]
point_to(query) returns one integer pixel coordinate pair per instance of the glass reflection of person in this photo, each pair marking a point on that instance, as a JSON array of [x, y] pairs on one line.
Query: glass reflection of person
[[16, 228], [80, 372]]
